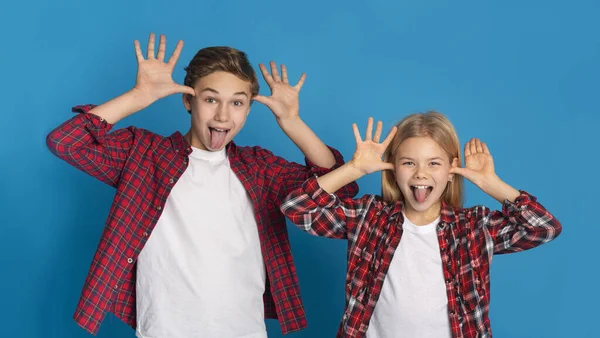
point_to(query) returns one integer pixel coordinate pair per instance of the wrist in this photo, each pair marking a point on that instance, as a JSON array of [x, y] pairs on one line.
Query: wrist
[[488, 183], [140, 98], [289, 122], [354, 170]]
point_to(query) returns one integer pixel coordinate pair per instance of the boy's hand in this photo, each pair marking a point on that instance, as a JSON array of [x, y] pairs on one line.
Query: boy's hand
[[154, 77], [368, 155], [283, 101]]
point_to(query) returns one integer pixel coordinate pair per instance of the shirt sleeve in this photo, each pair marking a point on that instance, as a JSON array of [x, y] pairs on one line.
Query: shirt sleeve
[[83, 141], [319, 213], [519, 226]]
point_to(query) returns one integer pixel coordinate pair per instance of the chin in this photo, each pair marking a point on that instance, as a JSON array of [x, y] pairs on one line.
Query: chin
[[420, 207]]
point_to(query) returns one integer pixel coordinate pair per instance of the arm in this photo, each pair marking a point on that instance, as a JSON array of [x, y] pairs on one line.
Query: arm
[[319, 213], [308, 142], [523, 223], [84, 142], [520, 225], [315, 209], [366, 159], [284, 104], [285, 176], [154, 81]]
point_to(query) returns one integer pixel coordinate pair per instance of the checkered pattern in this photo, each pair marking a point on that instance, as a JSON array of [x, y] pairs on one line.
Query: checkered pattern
[[144, 167], [468, 238]]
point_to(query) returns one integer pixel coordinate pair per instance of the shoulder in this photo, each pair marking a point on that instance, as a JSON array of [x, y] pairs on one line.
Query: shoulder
[[252, 154], [467, 218]]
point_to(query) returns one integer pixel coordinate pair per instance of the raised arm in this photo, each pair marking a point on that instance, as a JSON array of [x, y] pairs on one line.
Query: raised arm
[[84, 141], [284, 104], [523, 223], [314, 207]]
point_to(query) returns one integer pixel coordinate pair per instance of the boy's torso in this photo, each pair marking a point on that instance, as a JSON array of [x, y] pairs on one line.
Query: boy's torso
[[155, 164]]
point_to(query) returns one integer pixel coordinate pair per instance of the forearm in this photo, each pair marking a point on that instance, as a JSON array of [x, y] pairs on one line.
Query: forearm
[[339, 177], [307, 141], [122, 106], [499, 190]]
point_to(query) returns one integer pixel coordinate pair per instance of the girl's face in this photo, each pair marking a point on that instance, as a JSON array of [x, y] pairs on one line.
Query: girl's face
[[422, 171]]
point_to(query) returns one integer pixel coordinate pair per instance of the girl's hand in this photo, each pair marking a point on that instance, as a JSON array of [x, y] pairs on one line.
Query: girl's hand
[[368, 155], [479, 165]]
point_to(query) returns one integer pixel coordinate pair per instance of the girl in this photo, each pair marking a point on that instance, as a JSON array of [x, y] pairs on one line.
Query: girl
[[418, 262]]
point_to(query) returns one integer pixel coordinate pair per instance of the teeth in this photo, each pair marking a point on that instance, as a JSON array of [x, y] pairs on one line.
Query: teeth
[[421, 186], [217, 129]]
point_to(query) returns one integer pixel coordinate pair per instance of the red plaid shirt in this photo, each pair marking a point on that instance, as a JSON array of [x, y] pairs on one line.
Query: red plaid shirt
[[144, 167], [467, 237]]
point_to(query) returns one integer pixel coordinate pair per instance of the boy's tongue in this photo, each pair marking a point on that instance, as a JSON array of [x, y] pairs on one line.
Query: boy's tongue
[[217, 138], [421, 194]]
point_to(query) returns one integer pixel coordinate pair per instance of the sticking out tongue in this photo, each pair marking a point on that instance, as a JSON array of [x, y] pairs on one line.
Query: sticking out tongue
[[217, 138], [421, 194]]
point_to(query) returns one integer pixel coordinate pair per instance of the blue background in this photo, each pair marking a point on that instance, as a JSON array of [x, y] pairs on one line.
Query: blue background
[[521, 75]]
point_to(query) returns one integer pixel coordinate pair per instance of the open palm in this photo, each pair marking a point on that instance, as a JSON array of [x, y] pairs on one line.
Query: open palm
[[368, 155], [283, 101], [154, 76], [479, 163]]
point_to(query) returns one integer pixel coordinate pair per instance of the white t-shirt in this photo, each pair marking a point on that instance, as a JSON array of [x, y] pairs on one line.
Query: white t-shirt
[[413, 300], [201, 273]]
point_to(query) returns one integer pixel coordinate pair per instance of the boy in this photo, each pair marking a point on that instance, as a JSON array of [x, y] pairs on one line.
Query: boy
[[195, 244]]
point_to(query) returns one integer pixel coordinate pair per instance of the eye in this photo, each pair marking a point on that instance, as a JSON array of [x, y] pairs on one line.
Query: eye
[[436, 163], [407, 163], [210, 100], [238, 103]]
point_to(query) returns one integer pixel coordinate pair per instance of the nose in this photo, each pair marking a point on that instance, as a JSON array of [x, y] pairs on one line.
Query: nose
[[222, 113], [420, 173]]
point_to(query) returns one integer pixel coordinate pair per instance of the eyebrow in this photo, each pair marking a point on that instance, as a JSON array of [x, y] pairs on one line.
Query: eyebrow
[[208, 89], [429, 159]]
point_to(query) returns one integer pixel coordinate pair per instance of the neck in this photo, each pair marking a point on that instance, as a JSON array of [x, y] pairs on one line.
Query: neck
[[192, 141], [423, 217]]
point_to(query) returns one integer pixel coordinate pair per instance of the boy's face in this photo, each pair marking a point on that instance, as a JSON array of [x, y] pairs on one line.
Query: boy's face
[[219, 109]]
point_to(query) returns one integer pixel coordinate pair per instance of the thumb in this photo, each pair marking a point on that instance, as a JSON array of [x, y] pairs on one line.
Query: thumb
[[186, 90], [459, 171], [262, 99], [387, 166]]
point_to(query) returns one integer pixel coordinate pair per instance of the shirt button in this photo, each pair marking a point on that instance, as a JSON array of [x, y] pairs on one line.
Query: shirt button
[[145, 234], [116, 286], [448, 281], [171, 181], [129, 260], [159, 208], [452, 313], [176, 150]]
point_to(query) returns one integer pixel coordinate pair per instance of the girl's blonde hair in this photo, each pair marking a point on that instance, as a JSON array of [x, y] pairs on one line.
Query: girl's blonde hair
[[436, 126]]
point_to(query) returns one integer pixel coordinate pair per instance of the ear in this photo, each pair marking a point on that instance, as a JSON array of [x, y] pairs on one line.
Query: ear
[[187, 102], [454, 165]]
